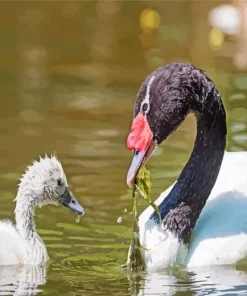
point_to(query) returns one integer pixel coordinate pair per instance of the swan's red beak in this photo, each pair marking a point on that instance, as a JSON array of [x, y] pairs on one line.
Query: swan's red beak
[[140, 140]]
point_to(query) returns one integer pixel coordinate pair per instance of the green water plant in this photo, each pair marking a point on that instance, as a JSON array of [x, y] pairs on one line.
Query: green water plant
[[142, 187]]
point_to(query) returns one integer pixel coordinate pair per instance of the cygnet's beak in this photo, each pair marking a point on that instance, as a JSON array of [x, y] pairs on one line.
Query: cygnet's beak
[[68, 200]]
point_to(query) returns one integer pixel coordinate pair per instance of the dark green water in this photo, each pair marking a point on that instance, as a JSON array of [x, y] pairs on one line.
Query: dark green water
[[59, 93]]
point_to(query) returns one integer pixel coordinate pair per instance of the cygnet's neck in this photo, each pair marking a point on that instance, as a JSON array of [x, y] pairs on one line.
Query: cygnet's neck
[[24, 214]]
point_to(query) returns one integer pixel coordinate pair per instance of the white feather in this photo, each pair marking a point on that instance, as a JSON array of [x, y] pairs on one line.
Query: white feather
[[11, 245]]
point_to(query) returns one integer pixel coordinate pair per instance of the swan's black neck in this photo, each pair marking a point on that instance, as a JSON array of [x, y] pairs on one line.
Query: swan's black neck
[[182, 207]]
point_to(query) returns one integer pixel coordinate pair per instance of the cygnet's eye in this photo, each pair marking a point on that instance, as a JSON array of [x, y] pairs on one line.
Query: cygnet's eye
[[59, 182]]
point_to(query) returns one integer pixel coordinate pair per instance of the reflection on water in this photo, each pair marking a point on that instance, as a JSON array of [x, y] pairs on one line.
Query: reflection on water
[[204, 281], [21, 280], [66, 88], [67, 277]]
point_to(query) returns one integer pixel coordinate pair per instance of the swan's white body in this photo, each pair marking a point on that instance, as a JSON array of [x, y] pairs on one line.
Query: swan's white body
[[220, 234], [21, 244], [11, 245], [15, 250]]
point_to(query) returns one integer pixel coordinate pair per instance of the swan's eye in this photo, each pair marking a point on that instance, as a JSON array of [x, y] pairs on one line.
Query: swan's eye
[[144, 107], [59, 182]]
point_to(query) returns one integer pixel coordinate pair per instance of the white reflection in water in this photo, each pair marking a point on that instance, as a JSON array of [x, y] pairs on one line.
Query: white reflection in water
[[21, 280], [220, 280]]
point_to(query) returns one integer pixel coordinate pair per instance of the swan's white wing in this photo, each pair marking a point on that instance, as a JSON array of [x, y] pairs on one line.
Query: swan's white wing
[[220, 234], [11, 246]]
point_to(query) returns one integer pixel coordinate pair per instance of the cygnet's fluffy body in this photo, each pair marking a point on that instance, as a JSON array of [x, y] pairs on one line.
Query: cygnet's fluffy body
[[44, 182]]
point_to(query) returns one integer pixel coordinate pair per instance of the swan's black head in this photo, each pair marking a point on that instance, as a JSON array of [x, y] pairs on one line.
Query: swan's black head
[[164, 99]]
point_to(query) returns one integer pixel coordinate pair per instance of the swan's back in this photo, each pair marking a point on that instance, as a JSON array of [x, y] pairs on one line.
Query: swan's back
[[220, 234], [11, 246], [232, 175]]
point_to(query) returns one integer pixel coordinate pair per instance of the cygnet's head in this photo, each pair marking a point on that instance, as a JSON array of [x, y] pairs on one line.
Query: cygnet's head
[[45, 182]]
